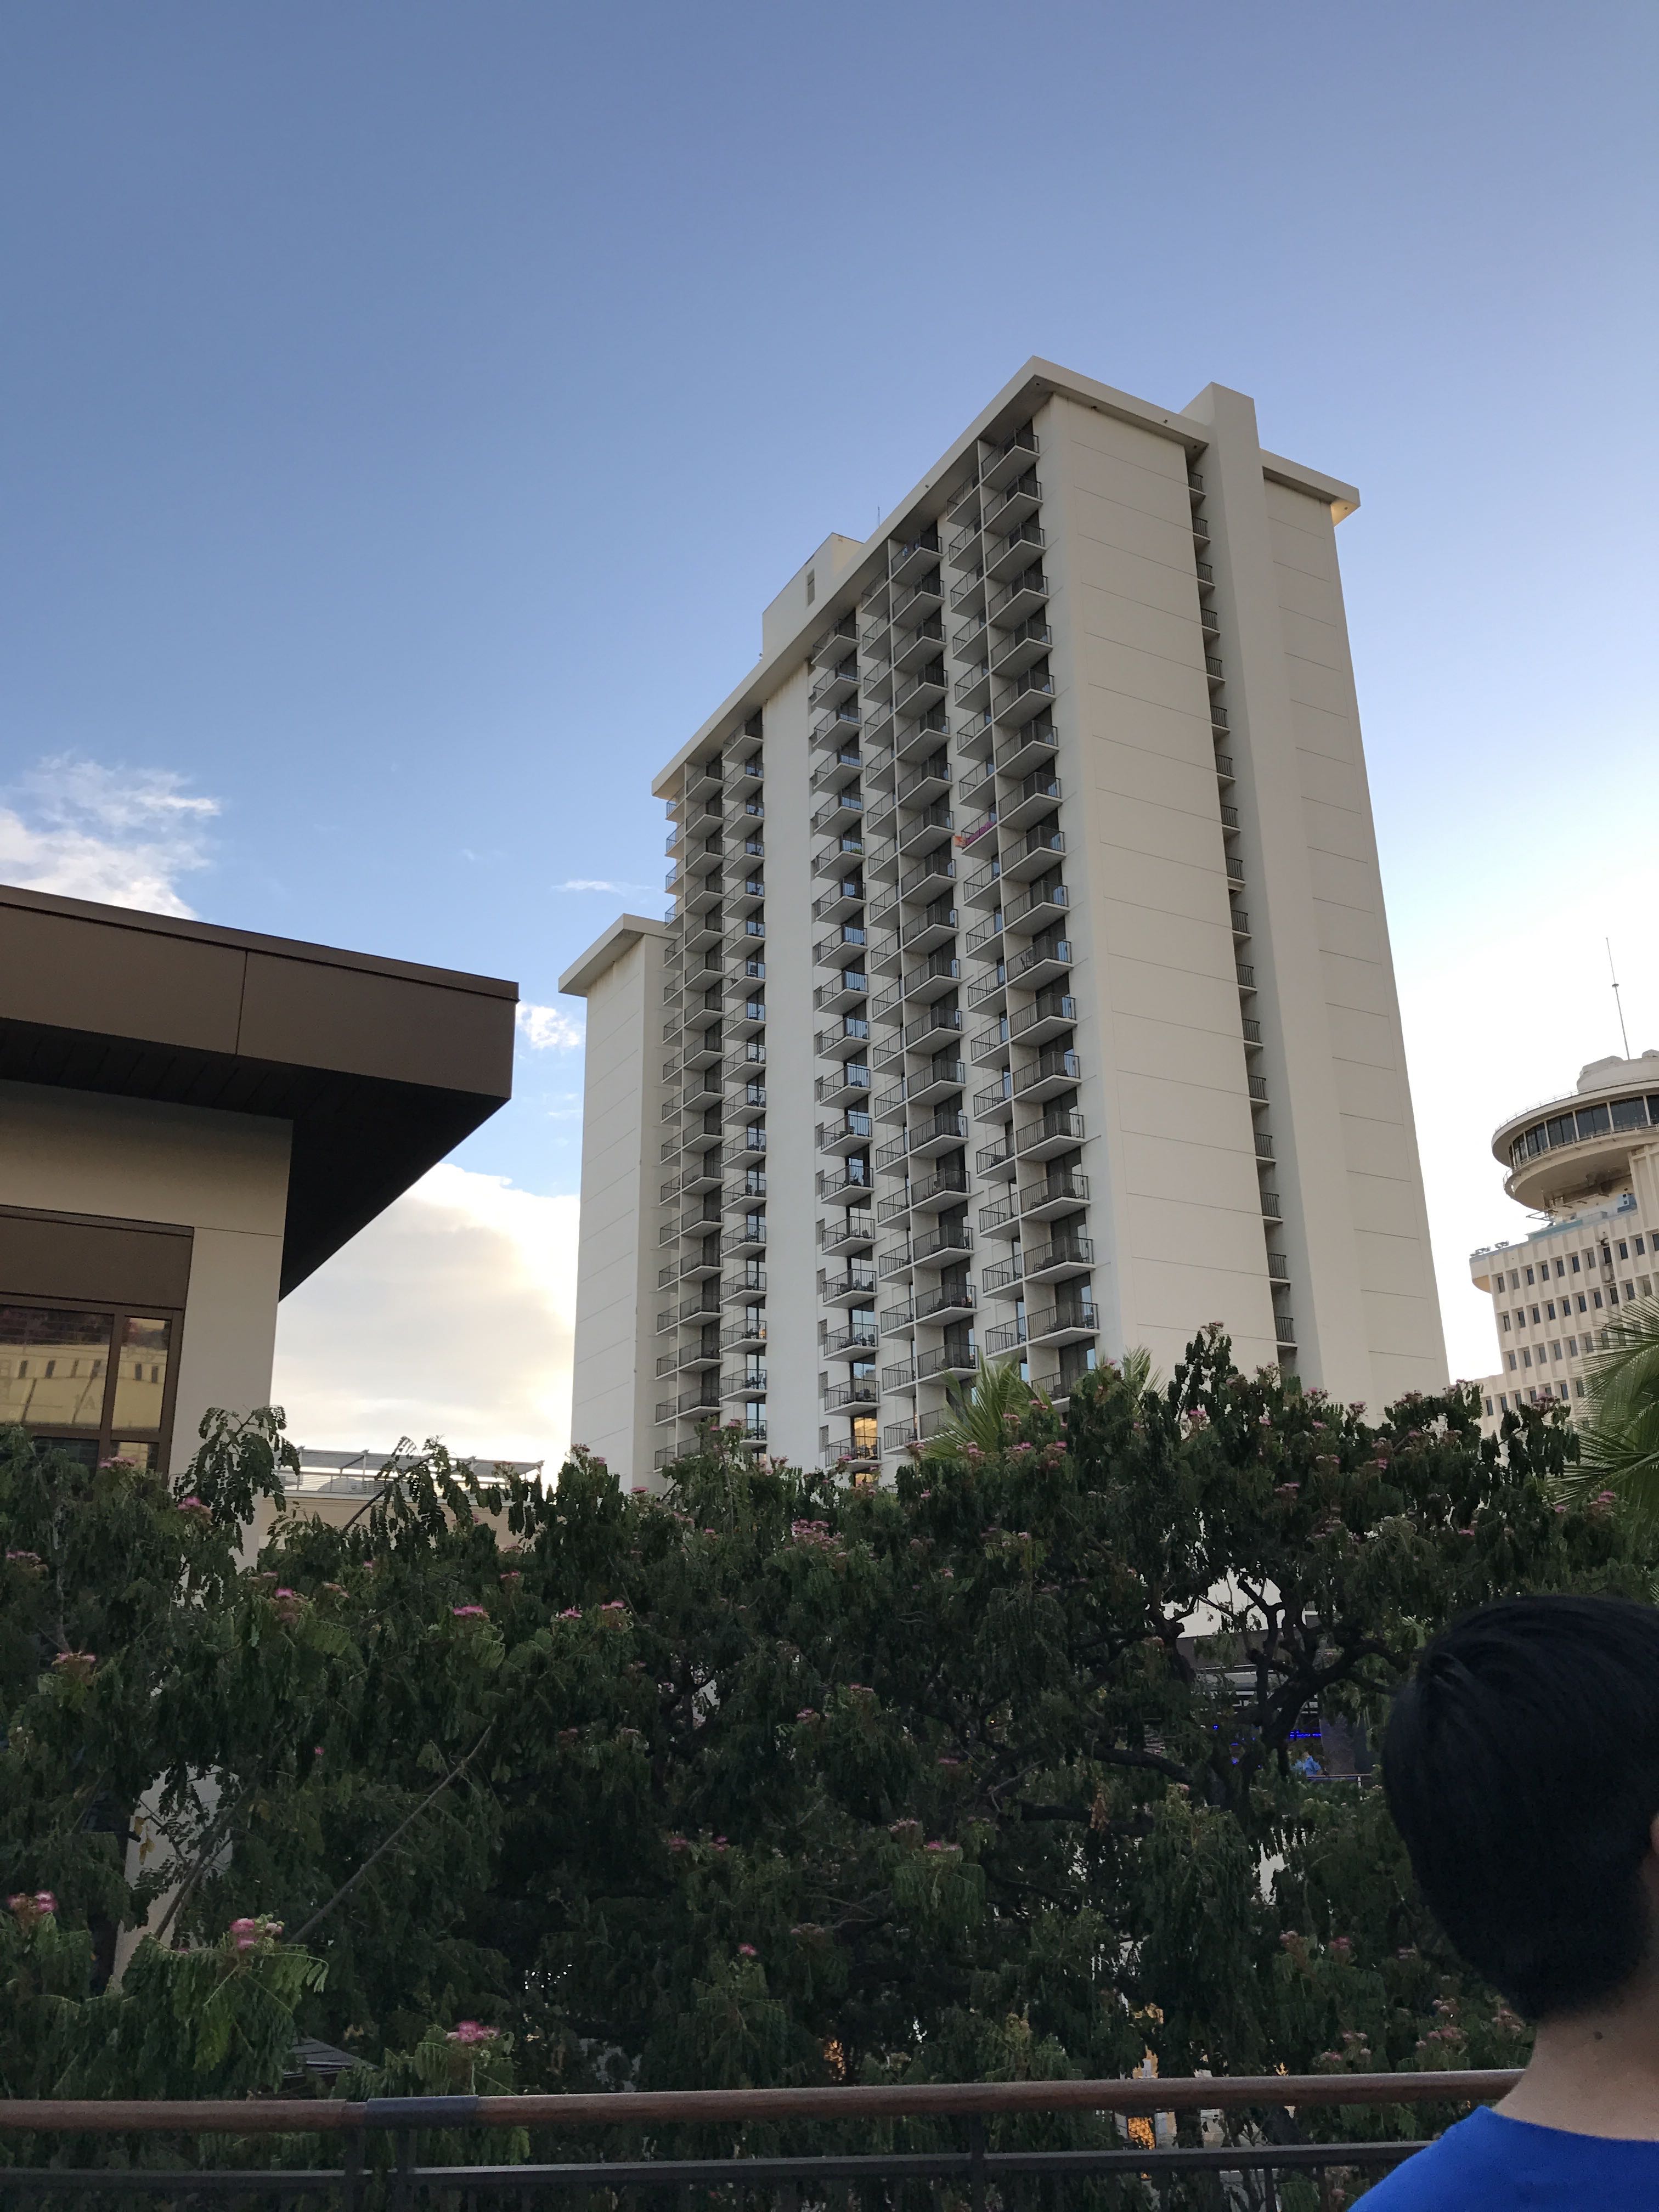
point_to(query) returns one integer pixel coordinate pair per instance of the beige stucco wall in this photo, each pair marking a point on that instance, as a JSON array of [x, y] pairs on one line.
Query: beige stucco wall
[[1170, 1149], [1355, 1227], [613, 1392], [224, 1176]]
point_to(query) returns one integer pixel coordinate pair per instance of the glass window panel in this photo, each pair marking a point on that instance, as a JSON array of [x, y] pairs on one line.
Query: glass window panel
[[142, 1454], [1630, 1113], [140, 1373], [1592, 1121], [53, 1362]]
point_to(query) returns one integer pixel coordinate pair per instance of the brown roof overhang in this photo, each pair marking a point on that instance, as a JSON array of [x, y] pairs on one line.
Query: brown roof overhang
[[382, 1067]]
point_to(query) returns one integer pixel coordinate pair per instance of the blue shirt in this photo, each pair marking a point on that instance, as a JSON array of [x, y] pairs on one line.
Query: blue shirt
[[1487, 2163]]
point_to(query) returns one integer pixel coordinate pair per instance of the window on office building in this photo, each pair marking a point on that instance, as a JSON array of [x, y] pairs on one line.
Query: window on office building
[[97, 1384]]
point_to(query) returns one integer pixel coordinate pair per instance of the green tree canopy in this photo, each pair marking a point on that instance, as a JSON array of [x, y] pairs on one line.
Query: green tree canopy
[[767, 1779]]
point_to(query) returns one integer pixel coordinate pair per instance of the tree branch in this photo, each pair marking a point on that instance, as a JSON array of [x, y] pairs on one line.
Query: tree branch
[[352, 1880]]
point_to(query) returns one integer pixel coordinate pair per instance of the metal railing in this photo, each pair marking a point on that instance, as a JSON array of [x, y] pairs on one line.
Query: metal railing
[[937, 2144]]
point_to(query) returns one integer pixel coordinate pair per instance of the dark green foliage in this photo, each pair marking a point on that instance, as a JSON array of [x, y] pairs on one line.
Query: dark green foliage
[[768, 1780]]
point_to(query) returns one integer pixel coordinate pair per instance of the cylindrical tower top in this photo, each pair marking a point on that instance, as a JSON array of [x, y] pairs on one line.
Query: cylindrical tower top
[[1565, 1151]]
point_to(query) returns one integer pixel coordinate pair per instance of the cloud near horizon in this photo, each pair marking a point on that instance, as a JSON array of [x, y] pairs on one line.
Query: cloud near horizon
[[121, 835], [451, 1316]]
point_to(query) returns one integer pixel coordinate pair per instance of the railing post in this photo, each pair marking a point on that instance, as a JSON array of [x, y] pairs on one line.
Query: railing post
[[976, 2161], [351, 2169], [403, 2162]]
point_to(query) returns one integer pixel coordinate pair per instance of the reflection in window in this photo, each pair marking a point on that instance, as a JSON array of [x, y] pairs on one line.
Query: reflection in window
[[94, 1383], [141, 1372], [52, 1364]]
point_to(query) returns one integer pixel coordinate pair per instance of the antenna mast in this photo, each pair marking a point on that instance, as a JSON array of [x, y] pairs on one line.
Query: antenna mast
[[1617, 1000]]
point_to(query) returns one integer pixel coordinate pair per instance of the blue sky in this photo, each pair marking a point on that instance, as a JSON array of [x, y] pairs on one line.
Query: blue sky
[[406, 409]]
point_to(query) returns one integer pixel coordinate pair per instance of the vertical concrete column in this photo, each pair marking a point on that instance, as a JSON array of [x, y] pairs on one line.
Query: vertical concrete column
[[1304, 1108], [613, 1392]]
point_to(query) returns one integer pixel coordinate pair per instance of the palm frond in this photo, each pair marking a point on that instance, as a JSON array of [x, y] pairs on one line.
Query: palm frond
[[1619, 1442], [984, 1413]]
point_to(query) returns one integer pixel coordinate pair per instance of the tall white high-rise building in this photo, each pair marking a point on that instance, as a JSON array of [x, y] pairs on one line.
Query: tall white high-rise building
[[1027, 985]]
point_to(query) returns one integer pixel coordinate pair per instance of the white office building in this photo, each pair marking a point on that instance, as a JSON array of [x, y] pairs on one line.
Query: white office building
[[1026, 987], [1589, 1164]]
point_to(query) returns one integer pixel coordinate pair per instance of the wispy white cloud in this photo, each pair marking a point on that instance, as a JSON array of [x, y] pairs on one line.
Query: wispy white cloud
[[449, 1316], [550, 1029], [121, 835], [603, 883]]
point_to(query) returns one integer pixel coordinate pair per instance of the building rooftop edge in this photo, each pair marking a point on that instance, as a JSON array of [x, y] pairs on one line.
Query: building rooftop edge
[[1629, 1078], [249, 940], [586, 970], [1038, 380]]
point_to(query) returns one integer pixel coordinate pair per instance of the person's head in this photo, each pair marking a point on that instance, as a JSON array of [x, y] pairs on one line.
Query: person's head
[[1521, 1765]]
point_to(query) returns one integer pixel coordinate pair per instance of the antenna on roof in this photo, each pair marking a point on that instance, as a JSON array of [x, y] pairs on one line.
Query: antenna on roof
[[1617, 1000]]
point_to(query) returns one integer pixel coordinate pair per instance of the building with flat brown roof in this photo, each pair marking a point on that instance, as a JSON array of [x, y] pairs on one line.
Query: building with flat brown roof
[[192, 1119]]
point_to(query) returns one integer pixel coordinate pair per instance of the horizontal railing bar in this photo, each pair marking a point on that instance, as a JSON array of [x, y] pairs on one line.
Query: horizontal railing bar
[[634, 2174], [921, 2166], [196, 2181], [1135, 2093]]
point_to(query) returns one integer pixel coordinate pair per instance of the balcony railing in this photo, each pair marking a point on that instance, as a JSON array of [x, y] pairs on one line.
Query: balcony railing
[[963, 2159]]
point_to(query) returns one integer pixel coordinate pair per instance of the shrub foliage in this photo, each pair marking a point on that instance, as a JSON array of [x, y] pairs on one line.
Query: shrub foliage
[[767, 1779]]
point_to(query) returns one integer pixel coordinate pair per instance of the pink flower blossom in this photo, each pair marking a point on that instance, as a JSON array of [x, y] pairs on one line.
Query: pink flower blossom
[[747, 1951], [76, 1666], [30, 1562], [806, 1713], [469, 1612], [30, 1910], [469, 2032], [512, 1576], [196, 1507], [246, 1935], [571, 1613], [678, 1843]]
